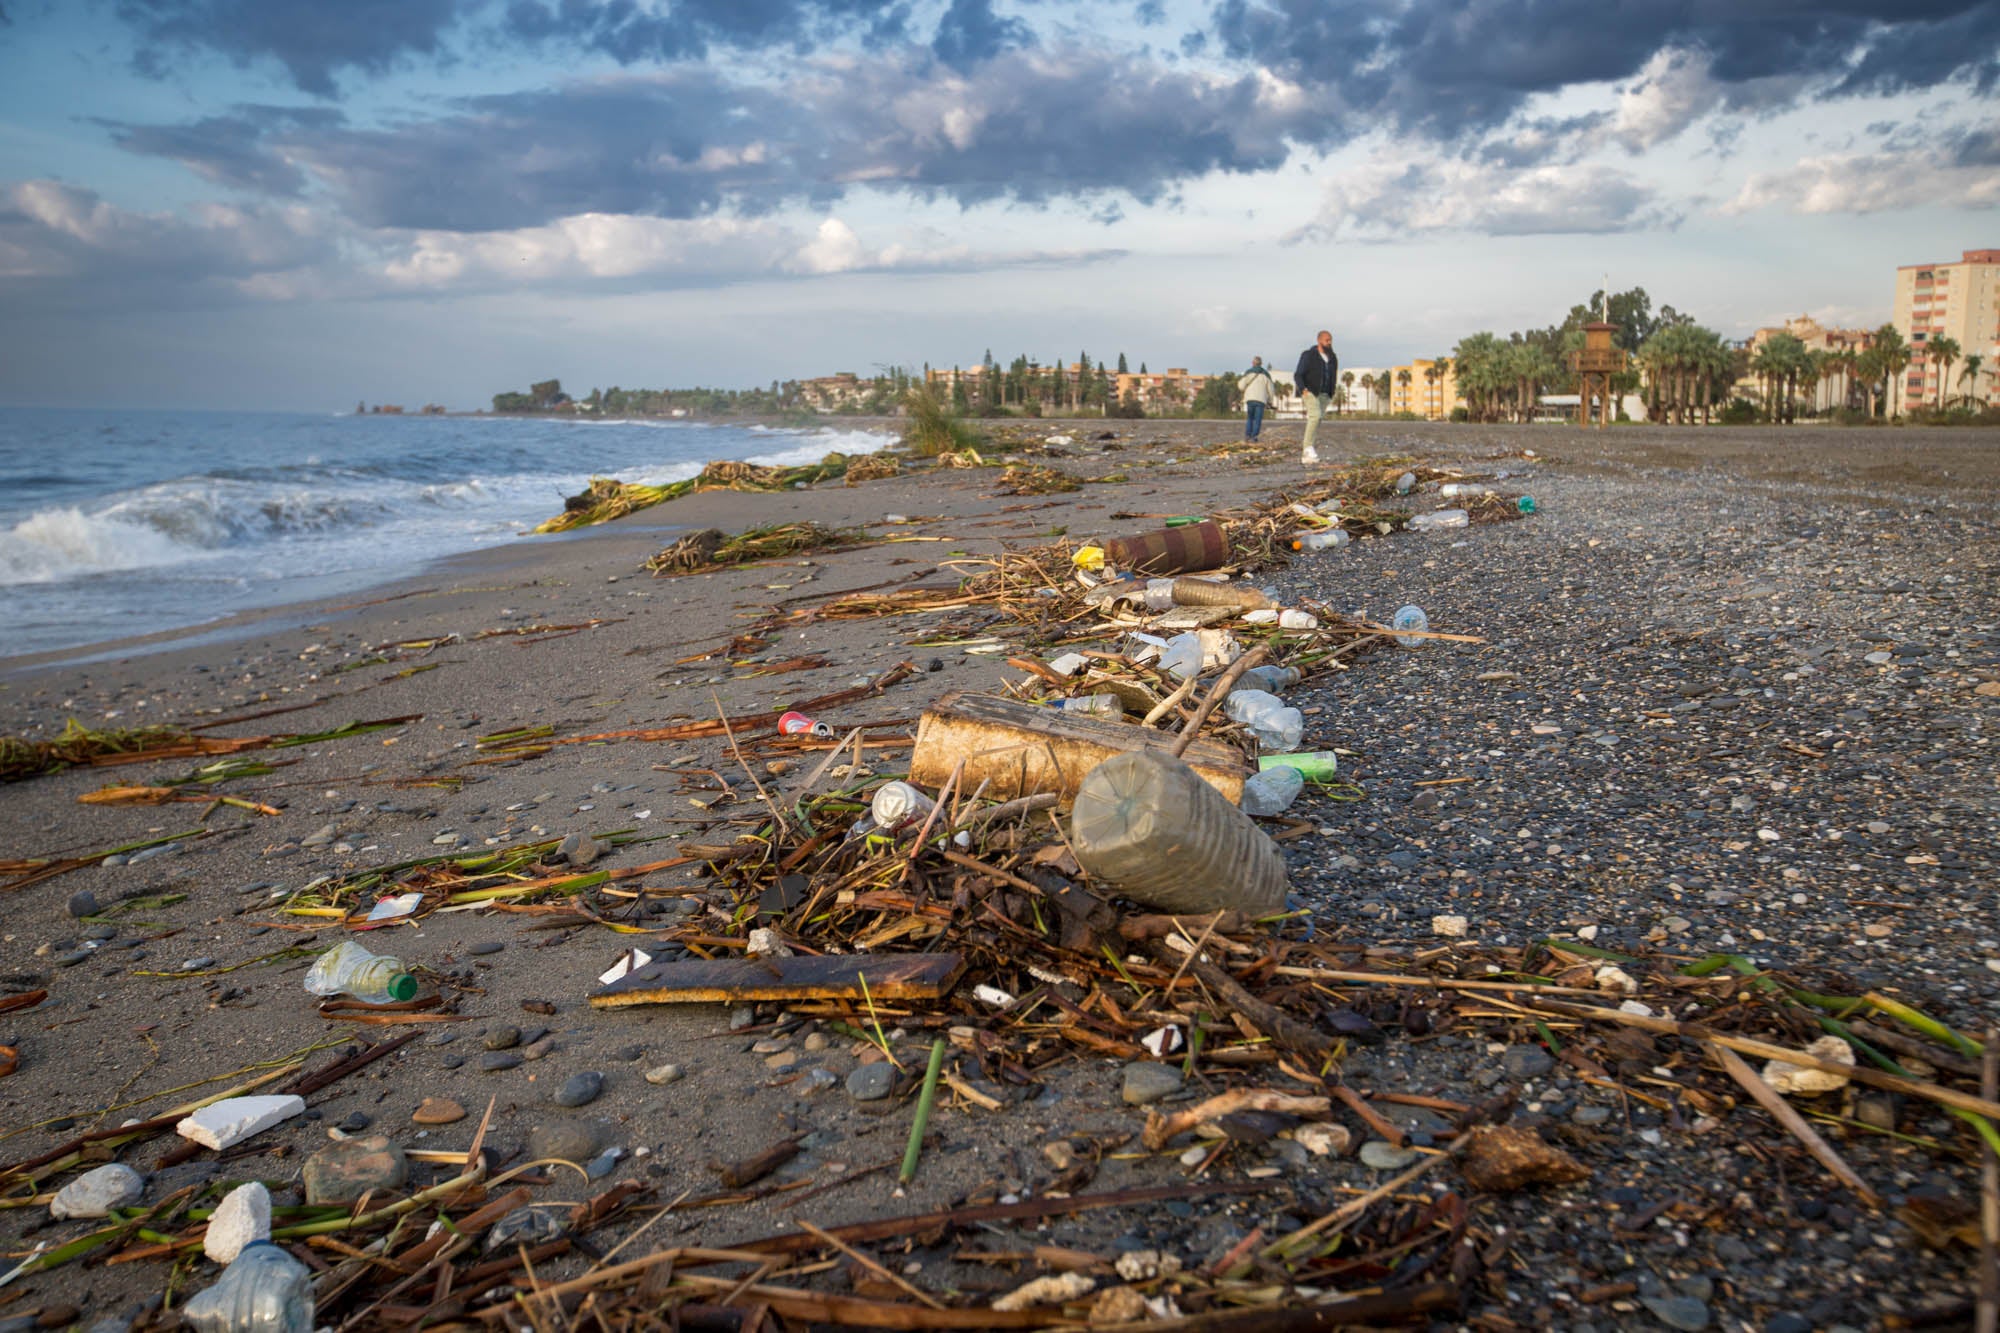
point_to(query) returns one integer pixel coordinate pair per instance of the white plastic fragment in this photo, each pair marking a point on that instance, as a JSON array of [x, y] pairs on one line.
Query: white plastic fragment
[[1636, 1009], [394, 906], [1068, 664], [228, 1123], [1046, 1291], [96, 1193], [628, 962], [1451, 927], [1164, 1041], [992, 995], [243, 1216], [1618, 979], [1798, 1081]]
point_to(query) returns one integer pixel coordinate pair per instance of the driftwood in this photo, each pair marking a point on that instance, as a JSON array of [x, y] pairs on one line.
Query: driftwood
[[915, 976]]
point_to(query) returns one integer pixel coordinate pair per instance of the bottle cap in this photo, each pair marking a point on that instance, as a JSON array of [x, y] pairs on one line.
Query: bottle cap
[[402, 987]]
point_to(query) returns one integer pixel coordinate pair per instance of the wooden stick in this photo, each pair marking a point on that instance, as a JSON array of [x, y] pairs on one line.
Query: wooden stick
[[1732, 1064], [1358, 1104], [869, 1264], [1765, 1050], [1171, 702], [1428, 983], [1216, 696], [1988, 1318], [1338, 1220]]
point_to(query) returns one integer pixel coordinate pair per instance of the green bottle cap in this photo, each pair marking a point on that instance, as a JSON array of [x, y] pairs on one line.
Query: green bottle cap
[[402, 987]]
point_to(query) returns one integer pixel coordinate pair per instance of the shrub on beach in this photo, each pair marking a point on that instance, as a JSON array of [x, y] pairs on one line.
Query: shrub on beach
[[933, 430]]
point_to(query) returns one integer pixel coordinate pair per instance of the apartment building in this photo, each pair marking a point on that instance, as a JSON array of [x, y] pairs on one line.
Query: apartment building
[[1959, 301], [830, 393], [1418, 388], [1171, 391], [1828, 393]]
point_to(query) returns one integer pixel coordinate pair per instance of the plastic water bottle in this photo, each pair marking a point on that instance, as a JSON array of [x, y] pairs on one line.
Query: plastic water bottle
[[1406, 483], [1097, 705], [1270, 679], [264, 1291], [1147, 825], [1413, 621], [1441, 518], [349, 969], [1453, 490], [1324, 539], [1272, 791], [1159, 594], [1275, 725], [1313, 765], [897, 804], [1182, 656]]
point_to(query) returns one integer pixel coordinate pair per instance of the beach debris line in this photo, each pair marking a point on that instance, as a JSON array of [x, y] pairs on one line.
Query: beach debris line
[[79, 746], [607, 498], [710, 548]]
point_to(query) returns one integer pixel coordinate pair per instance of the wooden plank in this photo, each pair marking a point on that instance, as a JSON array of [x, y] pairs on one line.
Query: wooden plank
[[1017, 749], [904, 976]]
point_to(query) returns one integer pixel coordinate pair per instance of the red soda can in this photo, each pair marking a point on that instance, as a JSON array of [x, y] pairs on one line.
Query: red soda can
[[798, 724]]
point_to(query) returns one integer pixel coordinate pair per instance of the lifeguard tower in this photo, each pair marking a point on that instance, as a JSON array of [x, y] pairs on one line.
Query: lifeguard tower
[[1594, 365]]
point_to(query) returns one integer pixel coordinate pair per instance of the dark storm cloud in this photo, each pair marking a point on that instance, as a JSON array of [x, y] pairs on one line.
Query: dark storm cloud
[[971, 33], [312, 39], [631, 33], [688, 141], [235, 150], [1974, 147], [1448, 70]]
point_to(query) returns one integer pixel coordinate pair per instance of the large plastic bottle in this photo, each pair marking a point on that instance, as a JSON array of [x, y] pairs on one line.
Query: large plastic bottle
[[1270, 679], [264, 1291], [349, 969], [1441, 518], [1182, 656], [1148, 826], [1276, 725], [1098, 705], [1271, 791], [1321, 540]]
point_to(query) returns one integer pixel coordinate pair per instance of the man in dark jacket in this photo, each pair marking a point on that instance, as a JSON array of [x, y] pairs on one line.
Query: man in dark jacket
[[1317, 373]]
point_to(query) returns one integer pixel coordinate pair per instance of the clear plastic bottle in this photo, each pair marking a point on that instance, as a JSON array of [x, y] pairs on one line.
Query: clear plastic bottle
[[1182, 656], [1323, 539], [1454, 490], [1413, 622], [1441, 518], [264, 1291], [1276, 725], [1270, 679], [1406, 483], [898, 803], [1098, 705], [1272, 791], [1148, 826], [349, 969]]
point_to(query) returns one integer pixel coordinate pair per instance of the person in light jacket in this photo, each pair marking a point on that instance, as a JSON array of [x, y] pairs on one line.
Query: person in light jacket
[[1256, 385], [1317, 373]]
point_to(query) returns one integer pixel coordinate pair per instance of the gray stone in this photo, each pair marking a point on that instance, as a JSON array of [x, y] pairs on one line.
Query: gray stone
[[1148, 1081], [580, 1089], [538, 1048], [346, 1169], [354, 1122], [664, 1074], [579, 849], [1525, 1062], [1682, 1312], [1787, 1322], [503, 1038], [566, 1140], [319, 837], [604, 1163], [495, 1061], [486, 950], [871, 1083], [96, 1193], [1381, 1155], [1591, 1116], [82, 903]]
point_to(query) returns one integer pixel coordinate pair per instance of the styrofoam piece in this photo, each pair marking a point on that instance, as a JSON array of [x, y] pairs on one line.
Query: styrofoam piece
[[629, 961], [243, 1216], [228, 1123], [96, 1193]]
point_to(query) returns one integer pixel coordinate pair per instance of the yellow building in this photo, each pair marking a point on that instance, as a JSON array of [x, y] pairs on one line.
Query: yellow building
[[1828, 393], [1421, 389], [1958, 301]]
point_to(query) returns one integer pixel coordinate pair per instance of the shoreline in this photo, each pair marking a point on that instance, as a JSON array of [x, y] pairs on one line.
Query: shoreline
[[1687, 621]]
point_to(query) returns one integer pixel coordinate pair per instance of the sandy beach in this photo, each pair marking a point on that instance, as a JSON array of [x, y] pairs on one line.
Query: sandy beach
[[1728, 694]]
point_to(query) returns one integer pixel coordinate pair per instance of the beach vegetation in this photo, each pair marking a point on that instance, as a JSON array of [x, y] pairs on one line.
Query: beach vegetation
[[932, 428]]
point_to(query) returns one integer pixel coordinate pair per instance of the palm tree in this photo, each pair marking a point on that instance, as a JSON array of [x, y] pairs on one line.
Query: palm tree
[[1892, 356], [1974, 363], [1440, 372], [1347, 378], [1403, 378], [1944, 351]]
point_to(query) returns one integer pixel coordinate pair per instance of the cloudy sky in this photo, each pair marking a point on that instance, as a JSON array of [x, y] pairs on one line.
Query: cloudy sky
[[298, 203]]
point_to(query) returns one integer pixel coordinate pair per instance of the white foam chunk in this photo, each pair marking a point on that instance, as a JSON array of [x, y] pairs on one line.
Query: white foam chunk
[[228, 1123], [243, 1216], [96, 1193]]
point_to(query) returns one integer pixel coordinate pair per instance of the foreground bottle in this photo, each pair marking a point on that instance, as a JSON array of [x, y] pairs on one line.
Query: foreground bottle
[[349, 969], [264, 1291], [1147, 825]]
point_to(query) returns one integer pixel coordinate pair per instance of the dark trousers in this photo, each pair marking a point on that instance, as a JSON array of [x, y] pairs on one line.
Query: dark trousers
[[1255, 424]]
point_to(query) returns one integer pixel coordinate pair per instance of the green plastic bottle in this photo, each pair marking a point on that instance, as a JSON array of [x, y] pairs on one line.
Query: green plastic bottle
[[349, 969], [1317, 765]]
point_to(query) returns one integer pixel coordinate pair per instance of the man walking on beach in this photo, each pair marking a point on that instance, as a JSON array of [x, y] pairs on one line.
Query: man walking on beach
[[1318, 371], [1256, 385]]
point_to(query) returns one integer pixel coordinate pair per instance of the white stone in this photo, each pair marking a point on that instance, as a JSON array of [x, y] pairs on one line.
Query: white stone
[[1796, 1081], [1586, 933], [1321, 1140], [228, 1123], [1618, 979], [1145, 1265], [1993, 965], [1634, 1007], [1451, 927], [765, 943], [96, 1193], [244, 1215]]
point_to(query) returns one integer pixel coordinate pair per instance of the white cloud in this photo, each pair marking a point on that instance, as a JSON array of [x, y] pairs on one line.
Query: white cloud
[[1380, 201], [1870, 183], [1672, 92]]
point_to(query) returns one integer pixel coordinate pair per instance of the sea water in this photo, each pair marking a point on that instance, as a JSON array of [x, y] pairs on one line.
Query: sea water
[[118, 523]]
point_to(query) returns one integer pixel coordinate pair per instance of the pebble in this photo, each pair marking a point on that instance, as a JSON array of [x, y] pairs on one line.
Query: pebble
[[1682, 1312], [495, 1061], [82, 903], [565, 1140], [1591, 1116], [538, 1048], [96, 1193], [354, 1122], [486, 950], [579, 849], [580, 1089], [1381, 1155], [319, 837], [871, 1083], [437, 1111], [662, 1075], [1526, 1062], [1147, 1081], [345, 1169], [503, 1038]]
